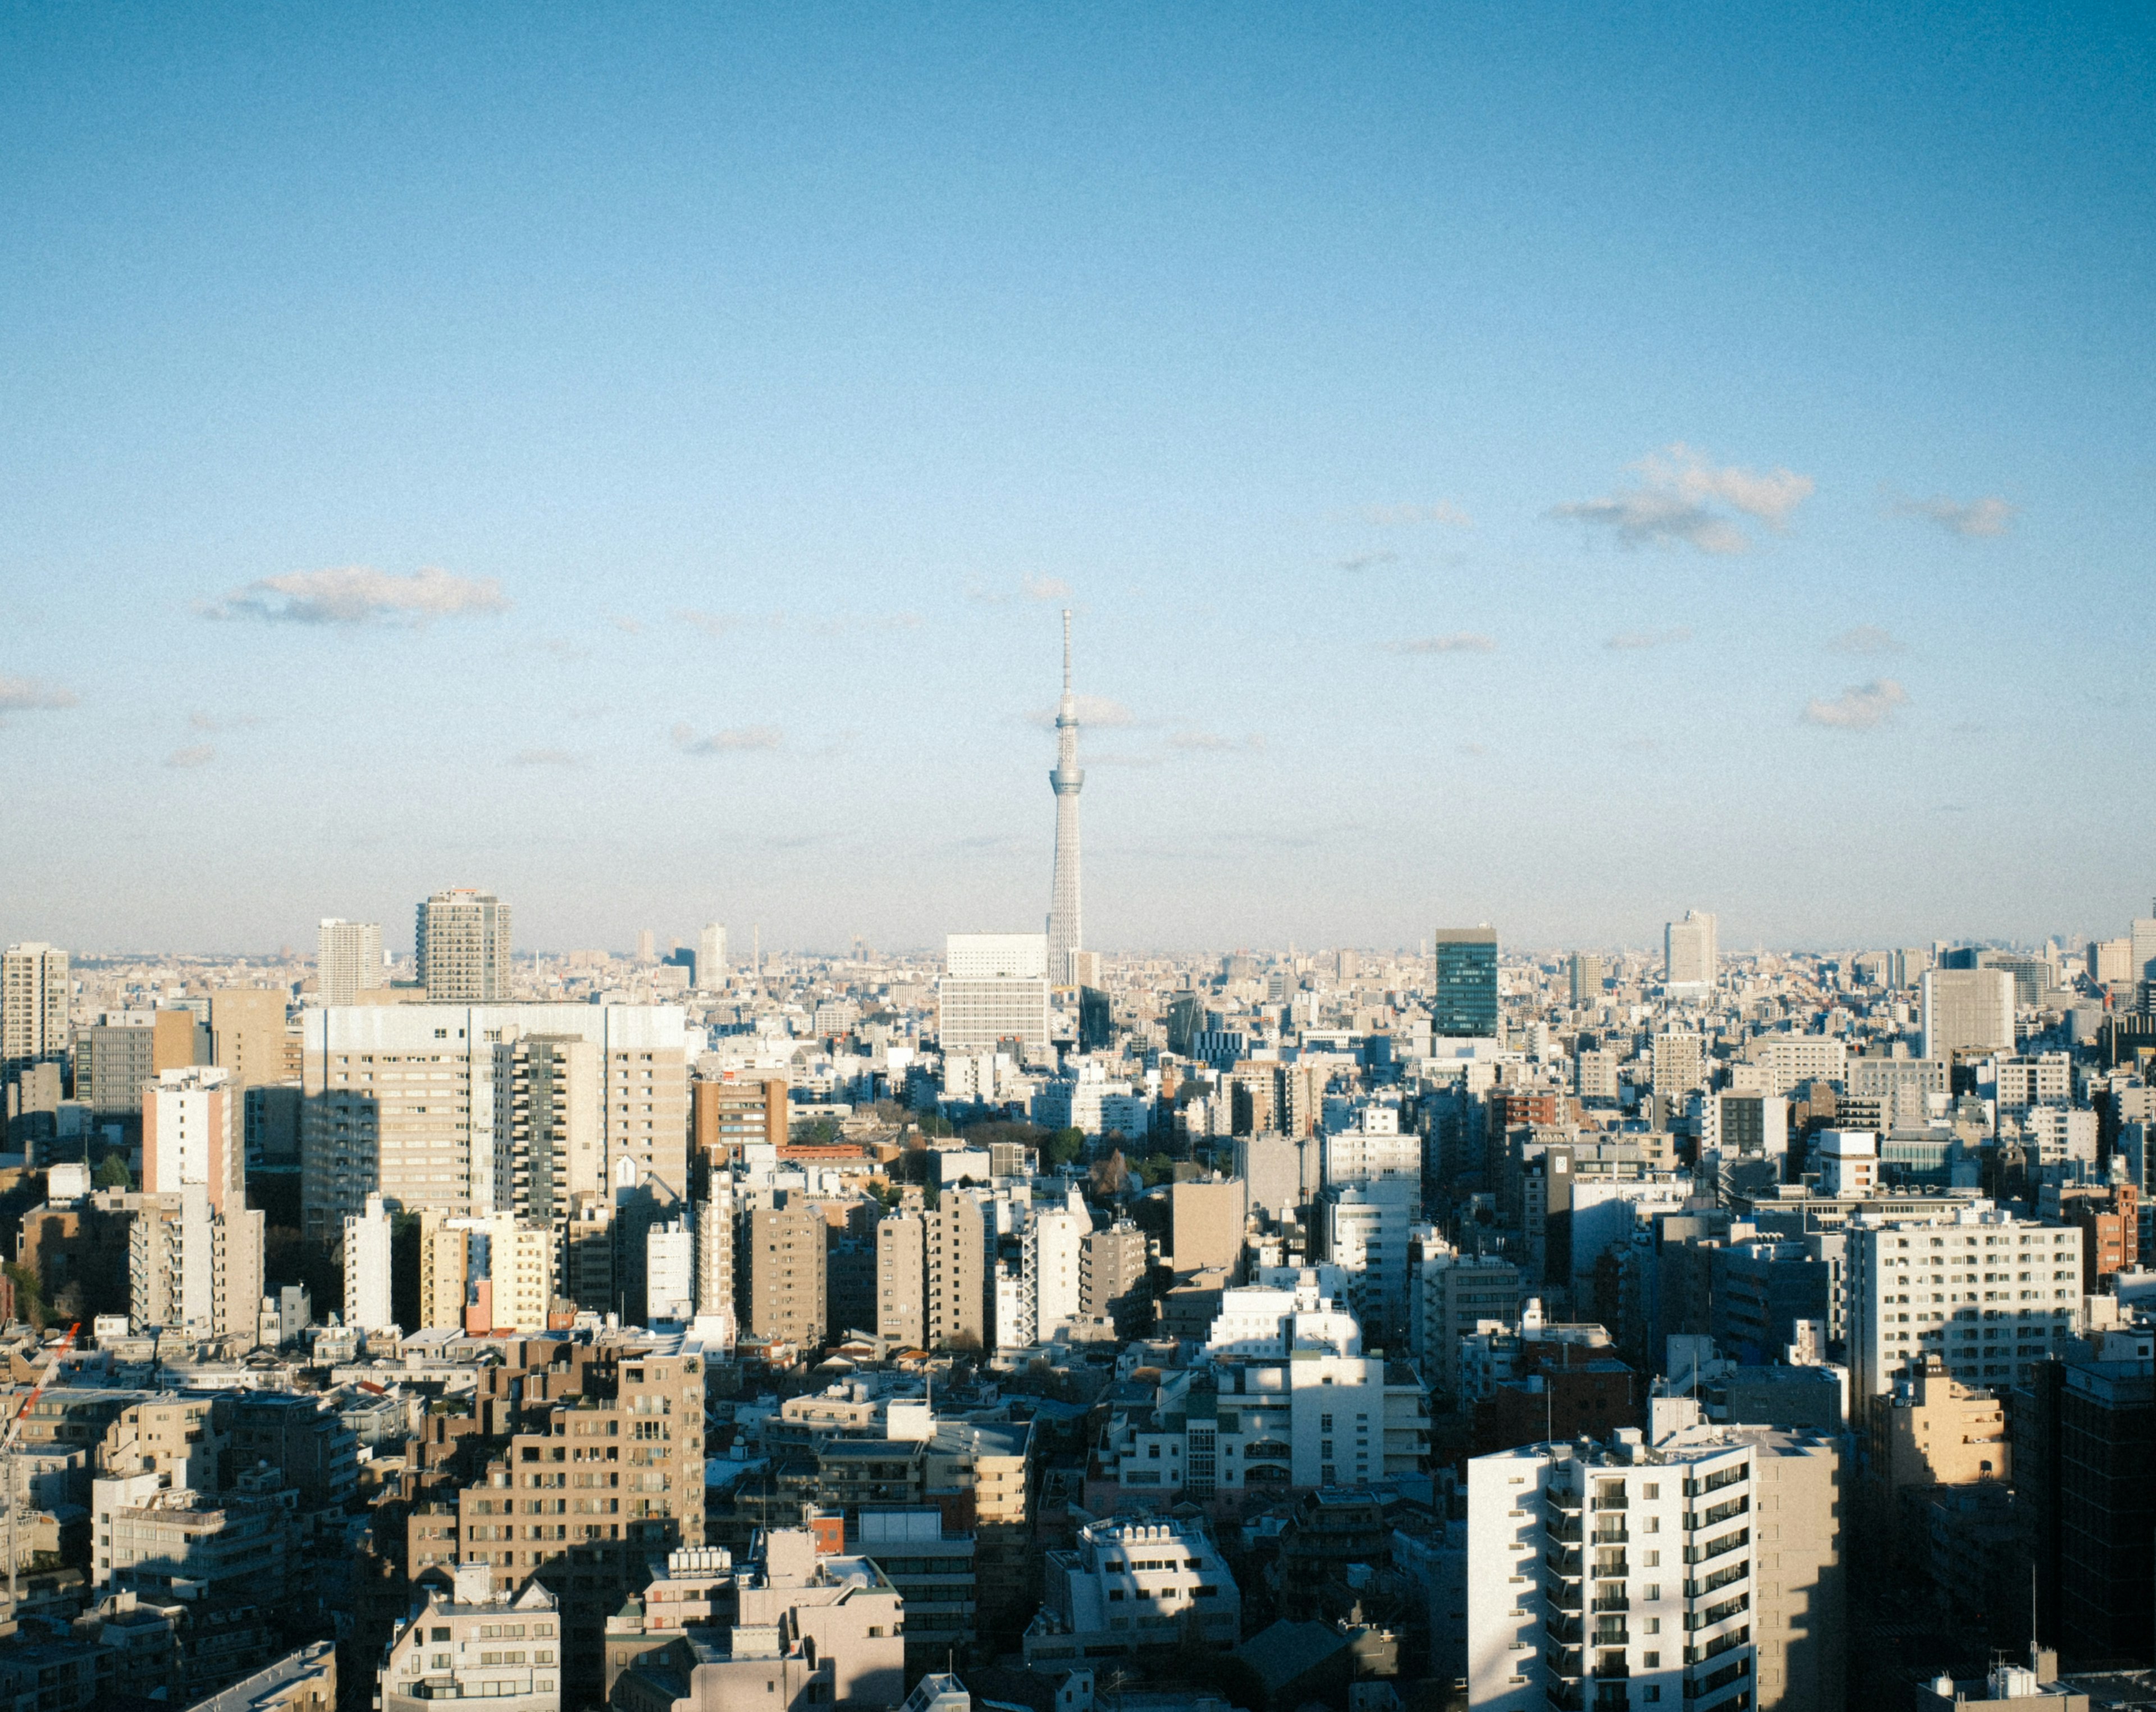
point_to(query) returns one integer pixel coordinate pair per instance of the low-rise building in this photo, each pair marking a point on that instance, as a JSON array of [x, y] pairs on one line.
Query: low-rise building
[[475, 1642], [1128, 1585]]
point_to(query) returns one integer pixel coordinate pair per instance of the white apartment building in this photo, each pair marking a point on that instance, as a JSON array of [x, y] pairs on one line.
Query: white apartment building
[[1364, 1229], [995, 988], [347, 960], [1848, 1161], [461, 941], [433, 1105], [2058, 1134], [191, 1136], [1051, 1249], [1277, 1321], [33, 1003], [1988, 1294], [1370, 1147], [1127, 1585], [192, 1268], [1677, 1066], [1698, 1568], [669, 1274], [494, 1273], [1789, 1059], [367, 1263], [476, 1643], [2046, 1080], [1690, 956], [1967, 1011], [1314, 1420]]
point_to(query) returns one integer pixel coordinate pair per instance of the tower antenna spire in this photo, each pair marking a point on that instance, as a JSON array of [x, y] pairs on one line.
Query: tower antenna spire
[[1066, 650]]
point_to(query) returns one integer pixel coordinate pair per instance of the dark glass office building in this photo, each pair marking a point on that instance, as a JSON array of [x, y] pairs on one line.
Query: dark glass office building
[[1467, 1002]]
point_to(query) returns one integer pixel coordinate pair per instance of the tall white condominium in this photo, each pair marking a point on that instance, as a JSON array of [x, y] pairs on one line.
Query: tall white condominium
[[712, 956], [462, 940], [348, 959], [1691, 1565], [1052, 1250], [34, 1003], [995, 988], [1690, 955], [190, 1136], [1066, 926], [1967, 1011], [473, 1110], [195, 1247], [2141, 949], [1989, 1295], [367, 1267]]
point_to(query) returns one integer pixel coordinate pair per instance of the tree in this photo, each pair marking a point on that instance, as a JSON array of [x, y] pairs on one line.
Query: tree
[[113, 1174], [1065, 1147]]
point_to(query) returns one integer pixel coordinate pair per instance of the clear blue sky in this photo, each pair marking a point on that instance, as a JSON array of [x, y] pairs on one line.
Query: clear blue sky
[[1362, 374]]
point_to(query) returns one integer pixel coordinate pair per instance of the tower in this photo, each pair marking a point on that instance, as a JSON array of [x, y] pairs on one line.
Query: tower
[[1066, 932]]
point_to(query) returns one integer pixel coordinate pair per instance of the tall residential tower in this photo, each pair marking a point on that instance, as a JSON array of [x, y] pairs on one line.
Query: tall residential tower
[[1067, 931]]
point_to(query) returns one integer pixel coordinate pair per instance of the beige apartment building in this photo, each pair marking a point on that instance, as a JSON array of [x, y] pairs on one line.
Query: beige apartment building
[[347, 960], [784, 1252], [34, 1003], [461, 940], [449, 1107], [472, 1642], [247, 1035], [931, 1275]]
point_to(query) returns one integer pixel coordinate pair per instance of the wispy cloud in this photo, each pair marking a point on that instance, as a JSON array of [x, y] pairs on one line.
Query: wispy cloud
[[546, 758], [26, 695], [734, 739], [202, 719], [1866, 639], [1212, 743], [354, 595], [1770, 495], [714, 624], [631, 627], [1859, 708], [193, 755], [1401, 516], [1626, 641], [1978, 519], [1122, 757], [1459, 642], [1045, 588], [1369, 561], [1091, 710], [1673, 506]]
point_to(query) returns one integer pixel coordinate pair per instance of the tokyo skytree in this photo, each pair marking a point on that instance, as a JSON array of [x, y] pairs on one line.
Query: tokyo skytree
[[1066, 932]]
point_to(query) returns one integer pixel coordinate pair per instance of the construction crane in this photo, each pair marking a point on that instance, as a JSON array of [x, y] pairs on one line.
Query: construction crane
[[14, 1437]]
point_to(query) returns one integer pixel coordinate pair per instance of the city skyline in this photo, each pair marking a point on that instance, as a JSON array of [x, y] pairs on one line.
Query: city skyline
[[600, 467]]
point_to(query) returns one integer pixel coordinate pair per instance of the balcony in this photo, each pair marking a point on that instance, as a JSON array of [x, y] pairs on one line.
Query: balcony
[[1610, 1566], [1610, 1602], [1715, 1548], [1565, 1563], [1563, 1528], [1564, 1698], [1557, 1498], [1615, 1500], [1564, 1630], [1612, 1664], [1565, 1662], [1614, 1534]]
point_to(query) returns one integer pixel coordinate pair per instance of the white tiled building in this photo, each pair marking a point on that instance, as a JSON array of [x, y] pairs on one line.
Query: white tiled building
[[478, 1643], [1700, 1569], [1128, 1585], [1989, 1294]]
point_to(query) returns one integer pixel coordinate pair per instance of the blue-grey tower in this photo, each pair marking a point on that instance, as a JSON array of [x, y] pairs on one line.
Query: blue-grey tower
[[1067, 931]]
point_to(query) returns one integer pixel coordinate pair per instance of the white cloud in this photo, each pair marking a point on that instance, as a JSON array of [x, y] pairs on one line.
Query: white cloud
[[545, 758], [1091, 710], [26, 695], [1627, 640], [1770, 496], [1674, 504], [1045, 588], [1859, 708], [1459, 642], [354, 595], [1396, 517], [1641, 518], [194, 755], [1369, 561], [1866, 639], [733, 740], [1980, 519]]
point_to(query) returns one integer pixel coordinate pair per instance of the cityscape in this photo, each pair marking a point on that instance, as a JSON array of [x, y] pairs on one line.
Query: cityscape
[[1551, 1111]]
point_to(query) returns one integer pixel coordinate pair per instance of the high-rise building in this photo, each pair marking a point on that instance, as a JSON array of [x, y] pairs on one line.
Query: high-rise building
[[902, 1278], [1690, 955], [1913, 1294], [419, 1104], [994, 989], [114, 1061], [191, 1135], [247, 1034], [1967, 1011], [1659, 1572], [710, 971], [1679, 1065], [729, 1115], [2141, 948], [462, 942], [348, 959], [1112, 1277], [1464, 998], [33, 1007], [933, 1274], [783, 1263], [1067, 931], [367, 1267], [486, 1274], [1050, 1262], [1585, 969]]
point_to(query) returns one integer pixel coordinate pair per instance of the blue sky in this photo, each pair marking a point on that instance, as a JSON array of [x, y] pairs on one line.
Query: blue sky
[[633, 459]]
